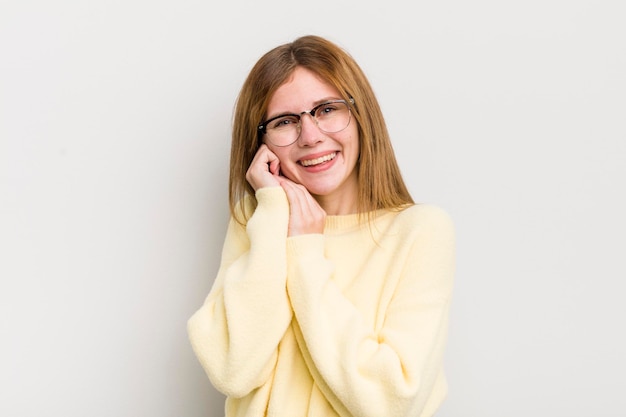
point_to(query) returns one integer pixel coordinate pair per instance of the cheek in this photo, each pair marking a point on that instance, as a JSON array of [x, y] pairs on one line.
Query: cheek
[[353, 143], [286, 163]]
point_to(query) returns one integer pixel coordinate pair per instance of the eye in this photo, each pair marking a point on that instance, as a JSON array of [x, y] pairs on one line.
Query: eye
[[329, 110], [284, 122]]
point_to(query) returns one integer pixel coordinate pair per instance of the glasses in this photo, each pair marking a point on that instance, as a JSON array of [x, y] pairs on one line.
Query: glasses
[[330, 117]]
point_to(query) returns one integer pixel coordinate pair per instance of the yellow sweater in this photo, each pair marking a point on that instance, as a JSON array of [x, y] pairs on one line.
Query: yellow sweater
[[349, 323]]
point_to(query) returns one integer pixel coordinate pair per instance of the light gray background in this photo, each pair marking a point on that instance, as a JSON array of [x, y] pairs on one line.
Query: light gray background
[[114, 127]]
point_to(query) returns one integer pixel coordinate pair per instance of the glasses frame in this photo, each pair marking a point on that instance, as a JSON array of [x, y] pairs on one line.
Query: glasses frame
[[262, 127]]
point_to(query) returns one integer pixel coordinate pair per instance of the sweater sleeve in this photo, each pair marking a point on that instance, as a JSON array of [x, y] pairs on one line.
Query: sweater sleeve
[[392, 371], [236, 332]]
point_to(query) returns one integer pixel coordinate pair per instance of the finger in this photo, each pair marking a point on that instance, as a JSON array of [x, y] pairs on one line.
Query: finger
[[270, 159], [274, 165], [264, 168], [305, 214]]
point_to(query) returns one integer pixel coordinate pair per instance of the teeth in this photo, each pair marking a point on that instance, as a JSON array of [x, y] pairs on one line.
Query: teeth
[[309, 162]]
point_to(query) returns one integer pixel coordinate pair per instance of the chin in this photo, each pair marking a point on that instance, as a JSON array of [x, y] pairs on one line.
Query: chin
[[321, 190]]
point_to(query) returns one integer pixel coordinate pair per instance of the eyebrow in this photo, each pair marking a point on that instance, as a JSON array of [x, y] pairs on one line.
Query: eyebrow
[[315, 104]]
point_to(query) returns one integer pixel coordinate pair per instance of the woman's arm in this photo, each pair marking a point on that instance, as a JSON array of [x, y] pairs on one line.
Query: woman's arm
[[236, 332], [392, 371]]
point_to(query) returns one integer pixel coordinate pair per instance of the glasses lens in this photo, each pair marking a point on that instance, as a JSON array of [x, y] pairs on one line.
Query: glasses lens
[[333, 117], [284, 130]]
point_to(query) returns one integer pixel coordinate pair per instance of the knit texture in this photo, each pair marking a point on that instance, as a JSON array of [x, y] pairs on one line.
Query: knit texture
[[349, 323]]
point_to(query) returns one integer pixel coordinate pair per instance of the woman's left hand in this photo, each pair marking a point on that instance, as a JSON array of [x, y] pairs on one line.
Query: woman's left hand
[[306, 216]]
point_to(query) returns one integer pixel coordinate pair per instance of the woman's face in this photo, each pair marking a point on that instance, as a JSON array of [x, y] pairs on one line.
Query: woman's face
[[322, 162]]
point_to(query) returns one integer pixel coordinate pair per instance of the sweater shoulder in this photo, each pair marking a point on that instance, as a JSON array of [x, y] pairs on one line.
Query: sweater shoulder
[[423, 222], [423, 214]]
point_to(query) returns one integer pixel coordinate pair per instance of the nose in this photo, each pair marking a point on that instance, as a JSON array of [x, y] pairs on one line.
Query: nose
[[310, 133]]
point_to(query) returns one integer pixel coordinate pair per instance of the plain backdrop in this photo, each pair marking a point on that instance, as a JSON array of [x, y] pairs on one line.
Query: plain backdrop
[[114, 150]]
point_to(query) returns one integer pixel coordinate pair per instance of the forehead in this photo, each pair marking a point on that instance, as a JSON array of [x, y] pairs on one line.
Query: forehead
[[301, 91]]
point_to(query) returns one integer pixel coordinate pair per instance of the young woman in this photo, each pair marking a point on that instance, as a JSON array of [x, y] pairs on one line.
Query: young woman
[[333, 293]]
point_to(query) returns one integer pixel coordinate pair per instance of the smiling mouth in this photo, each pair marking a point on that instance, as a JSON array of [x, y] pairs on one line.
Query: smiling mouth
[[317, 161]]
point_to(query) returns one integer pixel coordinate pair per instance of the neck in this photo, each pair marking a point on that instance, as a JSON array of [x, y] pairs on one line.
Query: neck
[[336, 206]]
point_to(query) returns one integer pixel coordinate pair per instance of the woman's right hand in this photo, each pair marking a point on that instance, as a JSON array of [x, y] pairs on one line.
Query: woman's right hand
[[264, 169]]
